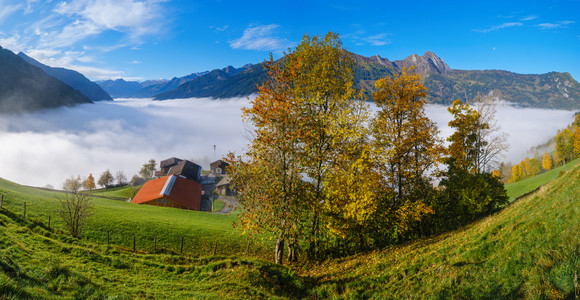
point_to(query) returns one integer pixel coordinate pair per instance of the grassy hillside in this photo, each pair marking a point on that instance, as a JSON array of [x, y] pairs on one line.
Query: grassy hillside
[[522, 187], [531, 249], [121, 221]]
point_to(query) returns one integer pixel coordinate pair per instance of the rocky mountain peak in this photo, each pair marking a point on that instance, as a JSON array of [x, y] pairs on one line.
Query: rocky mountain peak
[[429, 63]]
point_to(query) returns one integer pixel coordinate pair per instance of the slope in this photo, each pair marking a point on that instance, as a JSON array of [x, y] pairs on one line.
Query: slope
[[531, 249], [24, 87], [74, 79]]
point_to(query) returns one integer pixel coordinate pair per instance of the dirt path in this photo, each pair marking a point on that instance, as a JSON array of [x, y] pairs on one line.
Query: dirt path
[[231, 204]]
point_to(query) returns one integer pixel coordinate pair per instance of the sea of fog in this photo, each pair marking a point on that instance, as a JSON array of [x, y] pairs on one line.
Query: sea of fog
[[49, 146]]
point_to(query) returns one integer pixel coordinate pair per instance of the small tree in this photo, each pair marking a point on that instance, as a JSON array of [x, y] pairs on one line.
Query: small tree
[[148, 170], [75, 210], [546, 162], [121, 178], [90, 183], [72, 184], [106, 179]]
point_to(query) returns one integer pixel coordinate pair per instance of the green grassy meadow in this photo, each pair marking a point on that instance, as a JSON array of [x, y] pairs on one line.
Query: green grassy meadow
[[530, 249], [522, 187]]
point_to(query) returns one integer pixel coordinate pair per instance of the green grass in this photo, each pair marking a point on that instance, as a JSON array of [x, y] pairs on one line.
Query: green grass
[[218, 205], [118, 193], [121, 221], [530, 249], [523, 187]]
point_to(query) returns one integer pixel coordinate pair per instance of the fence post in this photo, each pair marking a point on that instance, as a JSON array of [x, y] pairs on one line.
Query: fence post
[[133, 243], [248, 247], [24, 211], [181, 252], [155, 243], [214, 247]]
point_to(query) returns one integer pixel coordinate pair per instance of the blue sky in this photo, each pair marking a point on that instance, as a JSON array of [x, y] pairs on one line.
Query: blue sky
[[152, 39]]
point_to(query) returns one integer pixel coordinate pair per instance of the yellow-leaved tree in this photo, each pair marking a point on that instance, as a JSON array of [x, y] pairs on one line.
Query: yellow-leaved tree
[[546, 162], [406, 148], [90, 183], [305, 127]]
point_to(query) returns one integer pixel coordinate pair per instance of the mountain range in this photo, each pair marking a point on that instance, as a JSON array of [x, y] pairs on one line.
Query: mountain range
[[444, 84], [74, 79], [25, 87]]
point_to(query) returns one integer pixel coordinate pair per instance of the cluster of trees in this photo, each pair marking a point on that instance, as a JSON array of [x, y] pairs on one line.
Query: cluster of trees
[[326, 175], [106, 180], [567, 149]]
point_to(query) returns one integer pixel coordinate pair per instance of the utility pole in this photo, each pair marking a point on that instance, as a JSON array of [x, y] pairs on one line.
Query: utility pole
[[214, 152]]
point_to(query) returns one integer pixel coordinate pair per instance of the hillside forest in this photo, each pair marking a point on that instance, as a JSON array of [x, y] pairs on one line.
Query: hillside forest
[[327, 177]]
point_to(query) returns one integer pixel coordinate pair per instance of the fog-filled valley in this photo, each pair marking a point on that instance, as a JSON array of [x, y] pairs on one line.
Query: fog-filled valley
[[49, 146]]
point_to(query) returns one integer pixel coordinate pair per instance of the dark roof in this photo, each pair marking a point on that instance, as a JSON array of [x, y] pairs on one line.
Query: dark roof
[[170, 162], [186, 169], [225, 181], [177, 190], [218, 164]]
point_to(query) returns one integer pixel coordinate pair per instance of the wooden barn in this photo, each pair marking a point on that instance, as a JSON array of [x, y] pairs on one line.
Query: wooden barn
[[170, 191], [218, 167]]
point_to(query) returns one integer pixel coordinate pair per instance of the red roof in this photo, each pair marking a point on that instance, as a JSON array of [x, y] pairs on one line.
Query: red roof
[[172, 191]]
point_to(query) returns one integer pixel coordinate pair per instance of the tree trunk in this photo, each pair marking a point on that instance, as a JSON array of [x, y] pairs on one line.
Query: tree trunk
[[279, 255], [291, 251]]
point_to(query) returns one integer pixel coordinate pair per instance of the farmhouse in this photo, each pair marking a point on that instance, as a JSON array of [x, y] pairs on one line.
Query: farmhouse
[[223, 187], [166, 165], [218, 167], [170, 191], [186, 169]]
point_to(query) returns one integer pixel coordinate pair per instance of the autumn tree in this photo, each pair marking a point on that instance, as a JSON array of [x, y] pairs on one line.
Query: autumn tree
[[565, 145], [324, 90], [516, 173], [90, 183], [546, 162], [268, 178], [469, 188], [304, 118], [406, 145], [106, 179], [576, 142]]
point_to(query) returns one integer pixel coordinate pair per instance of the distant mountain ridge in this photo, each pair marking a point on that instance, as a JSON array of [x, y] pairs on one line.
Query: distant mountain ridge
[[24, 87], [444, 84], [74, 79]]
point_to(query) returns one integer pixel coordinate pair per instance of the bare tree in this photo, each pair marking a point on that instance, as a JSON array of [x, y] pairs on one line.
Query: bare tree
[[121, 178], [75, 210], [494, 142]]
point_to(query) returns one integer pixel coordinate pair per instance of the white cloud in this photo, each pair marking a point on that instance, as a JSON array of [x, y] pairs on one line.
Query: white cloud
[[378, 39], [136, 17], [528, 18], [557, 25], [261, 38], [120, 135], [498, 27], [123, 135], [6, 10], [360, 38]]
